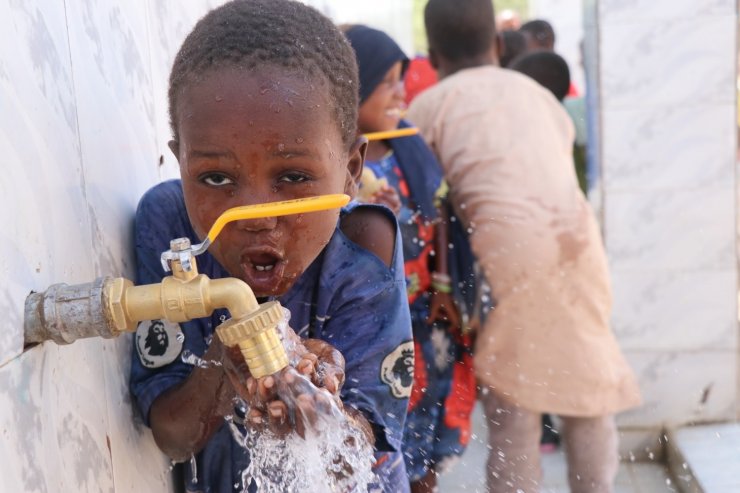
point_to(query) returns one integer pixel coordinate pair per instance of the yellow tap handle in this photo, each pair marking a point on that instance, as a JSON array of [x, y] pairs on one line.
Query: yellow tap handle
[[392, 134], [272, 209]]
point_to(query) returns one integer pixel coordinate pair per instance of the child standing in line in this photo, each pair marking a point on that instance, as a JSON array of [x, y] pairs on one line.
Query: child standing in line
[[505, 145], [263, 108], [438, 423]]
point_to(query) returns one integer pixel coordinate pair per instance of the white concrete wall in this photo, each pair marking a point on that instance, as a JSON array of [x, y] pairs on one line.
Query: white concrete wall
[[83, 126], [667, 124]]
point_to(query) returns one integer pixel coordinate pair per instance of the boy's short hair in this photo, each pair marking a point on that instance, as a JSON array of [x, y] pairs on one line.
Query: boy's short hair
[[546, 67], [460, 29], [541, 33], [279, 33], [514, 45]]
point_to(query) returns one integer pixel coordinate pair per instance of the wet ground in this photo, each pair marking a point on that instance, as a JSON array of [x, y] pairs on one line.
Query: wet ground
[[468, 476]]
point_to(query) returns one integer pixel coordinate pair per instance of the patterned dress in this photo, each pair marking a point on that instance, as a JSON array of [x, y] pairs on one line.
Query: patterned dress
[[438, 422]]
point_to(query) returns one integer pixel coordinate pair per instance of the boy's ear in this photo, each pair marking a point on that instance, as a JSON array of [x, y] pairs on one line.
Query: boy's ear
[[175, 148], [355, 162], [433, 59], [498, 47]]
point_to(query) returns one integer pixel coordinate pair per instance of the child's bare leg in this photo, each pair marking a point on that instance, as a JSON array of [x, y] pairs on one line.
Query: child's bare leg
[[427, 484], [591, 450], [514, 439]]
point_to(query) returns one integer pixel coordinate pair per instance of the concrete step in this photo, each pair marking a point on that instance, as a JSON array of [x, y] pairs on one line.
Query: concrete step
[[705, 459]]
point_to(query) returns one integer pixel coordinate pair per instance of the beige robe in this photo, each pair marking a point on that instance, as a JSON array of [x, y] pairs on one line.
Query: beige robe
[[505, 145]]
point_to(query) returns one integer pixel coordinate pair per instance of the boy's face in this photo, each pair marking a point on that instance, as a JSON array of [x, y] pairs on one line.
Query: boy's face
[[265, 136], [383, 108]]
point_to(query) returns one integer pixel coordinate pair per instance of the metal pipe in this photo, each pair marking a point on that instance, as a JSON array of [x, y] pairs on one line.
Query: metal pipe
[[66, 313], [108, 307]]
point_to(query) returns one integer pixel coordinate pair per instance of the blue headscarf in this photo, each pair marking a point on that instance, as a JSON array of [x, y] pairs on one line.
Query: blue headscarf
[[376, 53]]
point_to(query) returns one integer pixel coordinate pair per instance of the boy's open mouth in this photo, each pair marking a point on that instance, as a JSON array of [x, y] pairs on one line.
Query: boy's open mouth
[[263, 270]]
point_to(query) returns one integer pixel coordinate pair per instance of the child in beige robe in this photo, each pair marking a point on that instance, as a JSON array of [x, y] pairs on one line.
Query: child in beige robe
[[505, 145]]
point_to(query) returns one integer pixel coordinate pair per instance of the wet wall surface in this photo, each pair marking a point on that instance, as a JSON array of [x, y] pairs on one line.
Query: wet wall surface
[[83, 133], [82, 128]]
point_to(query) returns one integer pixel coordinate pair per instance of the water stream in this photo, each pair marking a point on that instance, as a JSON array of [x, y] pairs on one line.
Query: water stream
[[332, 456]]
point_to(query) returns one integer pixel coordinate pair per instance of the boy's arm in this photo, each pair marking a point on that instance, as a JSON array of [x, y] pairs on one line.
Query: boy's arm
[[372, 231], [370, 324], [184, 417]]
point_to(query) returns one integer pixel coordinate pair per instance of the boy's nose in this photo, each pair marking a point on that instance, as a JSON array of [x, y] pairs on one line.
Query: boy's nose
[[256, 225], [255, 197]]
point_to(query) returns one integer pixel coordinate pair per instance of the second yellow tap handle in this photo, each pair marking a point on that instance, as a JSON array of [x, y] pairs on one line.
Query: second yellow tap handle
[[392, 134], [272, 209]]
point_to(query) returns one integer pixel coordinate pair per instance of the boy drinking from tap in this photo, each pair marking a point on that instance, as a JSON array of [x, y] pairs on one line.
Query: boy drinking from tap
[[263, 108]]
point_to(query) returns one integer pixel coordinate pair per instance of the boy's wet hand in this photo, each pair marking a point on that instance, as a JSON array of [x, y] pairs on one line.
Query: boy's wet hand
[[329, 367], [288, 401]]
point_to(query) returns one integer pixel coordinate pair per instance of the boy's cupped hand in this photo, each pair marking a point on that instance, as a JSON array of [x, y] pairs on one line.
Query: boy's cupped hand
[[299, 396]]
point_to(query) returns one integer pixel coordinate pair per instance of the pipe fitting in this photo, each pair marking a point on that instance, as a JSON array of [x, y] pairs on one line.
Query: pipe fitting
[[258, 339], [66, 313]]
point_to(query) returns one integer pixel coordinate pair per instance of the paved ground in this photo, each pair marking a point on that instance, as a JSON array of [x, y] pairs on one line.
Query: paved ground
[[468, 475]]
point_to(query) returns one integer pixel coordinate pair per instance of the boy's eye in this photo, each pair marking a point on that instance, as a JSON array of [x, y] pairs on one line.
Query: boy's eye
[[216, 180], [293, 178]]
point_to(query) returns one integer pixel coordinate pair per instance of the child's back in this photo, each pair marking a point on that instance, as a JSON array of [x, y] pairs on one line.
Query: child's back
[[536, 238], [505, 143]]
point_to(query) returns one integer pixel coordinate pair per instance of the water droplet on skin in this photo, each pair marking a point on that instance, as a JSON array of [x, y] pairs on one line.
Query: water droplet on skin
[[299, 140], [281, 147], [219, 99]]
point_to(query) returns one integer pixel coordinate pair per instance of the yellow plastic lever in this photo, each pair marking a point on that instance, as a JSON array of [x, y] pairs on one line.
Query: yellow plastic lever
[[392, 134], [272, 209]]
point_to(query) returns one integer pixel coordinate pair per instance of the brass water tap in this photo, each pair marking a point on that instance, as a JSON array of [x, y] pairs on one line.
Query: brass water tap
[[108, 307]]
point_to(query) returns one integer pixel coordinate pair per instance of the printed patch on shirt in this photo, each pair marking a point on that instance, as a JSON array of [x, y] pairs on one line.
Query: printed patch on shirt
[[397, 370], [158, 342]]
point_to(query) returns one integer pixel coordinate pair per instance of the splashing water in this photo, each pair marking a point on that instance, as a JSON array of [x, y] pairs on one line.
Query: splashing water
[[333, 456], [189, 358], [194, 469]]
